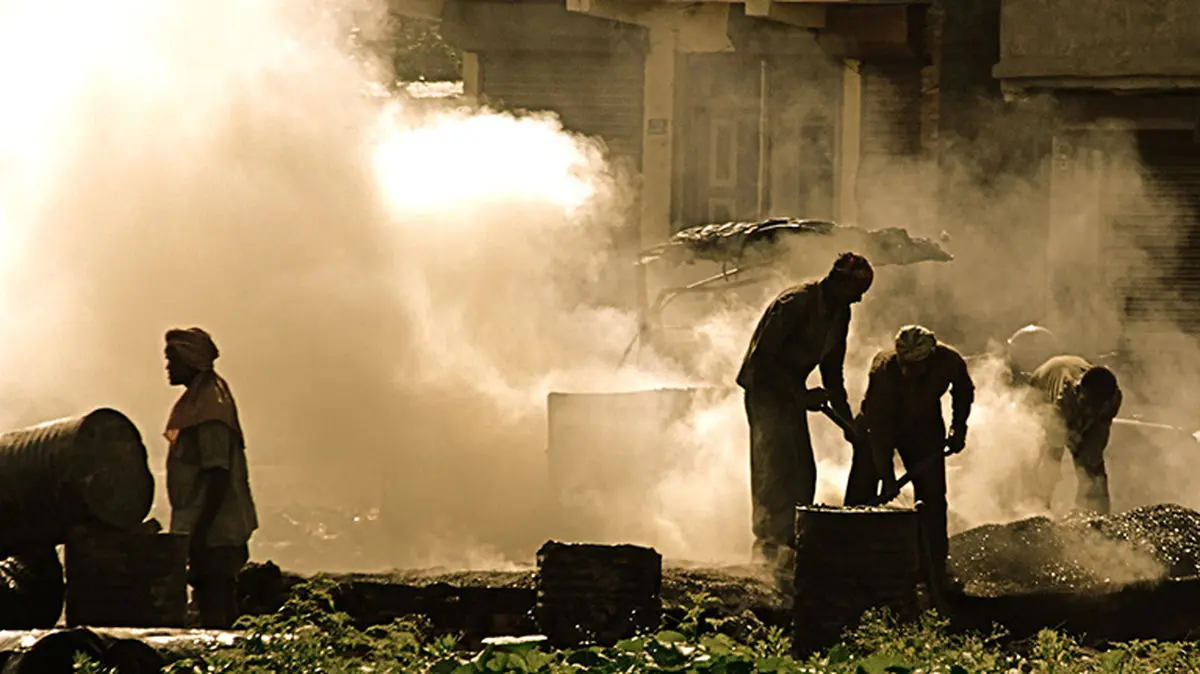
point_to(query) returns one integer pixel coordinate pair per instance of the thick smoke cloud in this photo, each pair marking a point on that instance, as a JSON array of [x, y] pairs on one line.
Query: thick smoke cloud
[[395, 288]]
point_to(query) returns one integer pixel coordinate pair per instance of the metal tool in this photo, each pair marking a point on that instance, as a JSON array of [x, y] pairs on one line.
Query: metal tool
[[911, 473], [843, 423]]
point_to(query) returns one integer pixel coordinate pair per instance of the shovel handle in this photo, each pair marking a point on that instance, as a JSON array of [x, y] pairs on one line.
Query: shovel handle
[[916, 470], [841, 422]]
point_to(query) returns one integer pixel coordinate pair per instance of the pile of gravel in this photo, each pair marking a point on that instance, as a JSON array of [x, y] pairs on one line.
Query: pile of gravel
[[1077, 553]]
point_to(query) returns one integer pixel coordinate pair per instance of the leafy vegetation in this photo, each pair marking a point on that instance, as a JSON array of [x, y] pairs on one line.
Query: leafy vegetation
[[308, 635]]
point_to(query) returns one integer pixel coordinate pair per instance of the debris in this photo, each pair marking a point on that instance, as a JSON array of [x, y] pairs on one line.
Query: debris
[[734, 242], [1078, 553], [31, 590]]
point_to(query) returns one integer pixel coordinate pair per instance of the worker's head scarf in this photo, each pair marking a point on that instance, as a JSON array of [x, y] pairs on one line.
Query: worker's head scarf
[[207, 397], [194, 346], [914, 343], [854, 269]]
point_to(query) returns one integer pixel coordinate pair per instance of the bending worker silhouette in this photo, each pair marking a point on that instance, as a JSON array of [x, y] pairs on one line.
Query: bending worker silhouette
[[207, 480], [1084, 399], [803, 329], [902, 412]]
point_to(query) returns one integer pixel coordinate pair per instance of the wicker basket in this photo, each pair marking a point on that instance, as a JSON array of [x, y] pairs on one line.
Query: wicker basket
[[126, 579], [597, 593], [849, 560]]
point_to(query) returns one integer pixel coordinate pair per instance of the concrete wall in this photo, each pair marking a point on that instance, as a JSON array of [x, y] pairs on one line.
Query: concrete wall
[[1102, 38]]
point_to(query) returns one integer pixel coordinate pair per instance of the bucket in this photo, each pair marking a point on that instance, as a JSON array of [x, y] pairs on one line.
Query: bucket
[[849, 560]]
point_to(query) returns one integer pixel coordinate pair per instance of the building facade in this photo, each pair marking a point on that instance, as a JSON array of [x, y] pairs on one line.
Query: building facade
[[885, 113], [1126, 149]]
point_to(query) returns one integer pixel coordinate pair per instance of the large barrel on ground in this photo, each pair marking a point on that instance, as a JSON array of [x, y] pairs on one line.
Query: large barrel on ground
[[849, 560], [597, 593], [85, 469]]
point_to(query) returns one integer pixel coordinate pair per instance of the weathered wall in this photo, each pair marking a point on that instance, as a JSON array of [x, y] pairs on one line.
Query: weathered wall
[[1062, 38]]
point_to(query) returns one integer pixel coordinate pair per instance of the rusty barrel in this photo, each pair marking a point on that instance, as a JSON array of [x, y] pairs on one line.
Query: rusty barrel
[[849, 560], [597, 593], [68, 472], [125, 578]]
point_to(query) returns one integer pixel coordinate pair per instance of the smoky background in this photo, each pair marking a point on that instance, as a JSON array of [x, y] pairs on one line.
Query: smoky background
[[397, 286]]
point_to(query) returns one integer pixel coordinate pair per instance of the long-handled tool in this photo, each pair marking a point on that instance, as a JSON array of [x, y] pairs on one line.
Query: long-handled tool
[[843, 423], [908, 476]]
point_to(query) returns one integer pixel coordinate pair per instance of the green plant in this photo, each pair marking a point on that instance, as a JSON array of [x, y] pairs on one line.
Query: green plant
[[309, 635]]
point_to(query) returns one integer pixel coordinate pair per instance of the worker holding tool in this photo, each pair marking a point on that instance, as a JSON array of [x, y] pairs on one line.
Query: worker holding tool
[[803, 329], [902, 412], [1085, 399]]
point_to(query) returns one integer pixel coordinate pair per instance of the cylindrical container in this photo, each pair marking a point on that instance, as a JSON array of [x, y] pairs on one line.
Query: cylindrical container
[[64, 473], [597, 593], [849, 560], [31, 590], [126, 579]]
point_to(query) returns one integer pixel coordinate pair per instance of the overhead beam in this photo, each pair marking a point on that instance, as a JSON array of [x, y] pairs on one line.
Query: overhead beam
[[798, 15], [698, 28]]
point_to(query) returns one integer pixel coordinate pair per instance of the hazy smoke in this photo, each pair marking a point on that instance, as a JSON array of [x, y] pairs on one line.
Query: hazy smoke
[[395, 288]]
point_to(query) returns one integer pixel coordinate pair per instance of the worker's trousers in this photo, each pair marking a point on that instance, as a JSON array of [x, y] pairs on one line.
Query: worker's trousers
[[1091, 477], [783, 470], [929, 487]]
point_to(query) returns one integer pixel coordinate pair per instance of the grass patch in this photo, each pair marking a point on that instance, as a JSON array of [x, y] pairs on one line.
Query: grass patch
[[308, 635]]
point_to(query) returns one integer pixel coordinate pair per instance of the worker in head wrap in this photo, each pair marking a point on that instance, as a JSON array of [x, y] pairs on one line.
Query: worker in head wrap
[[902, 413], [207, 479], [1083, 400], [802, 330]]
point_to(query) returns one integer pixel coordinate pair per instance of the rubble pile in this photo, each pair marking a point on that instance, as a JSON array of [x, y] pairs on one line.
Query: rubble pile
[[1078, 553]]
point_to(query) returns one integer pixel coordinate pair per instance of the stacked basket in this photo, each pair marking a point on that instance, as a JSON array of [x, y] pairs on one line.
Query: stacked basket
[[849, 560], [597, 593], [119, 578]]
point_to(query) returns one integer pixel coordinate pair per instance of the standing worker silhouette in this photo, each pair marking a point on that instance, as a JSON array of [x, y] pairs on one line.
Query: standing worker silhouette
[[207, 478], [803, 329]]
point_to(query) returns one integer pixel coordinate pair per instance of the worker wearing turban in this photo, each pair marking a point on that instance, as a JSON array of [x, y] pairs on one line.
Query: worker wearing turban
[[902, 413], [207, 477], [802, 330]]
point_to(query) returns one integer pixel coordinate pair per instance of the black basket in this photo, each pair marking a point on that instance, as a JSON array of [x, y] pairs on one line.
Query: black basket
[[597, 593], [126, 579], [849, 560]]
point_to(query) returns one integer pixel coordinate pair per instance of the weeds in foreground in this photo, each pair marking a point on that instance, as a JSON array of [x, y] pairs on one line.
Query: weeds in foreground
[[307, 635]]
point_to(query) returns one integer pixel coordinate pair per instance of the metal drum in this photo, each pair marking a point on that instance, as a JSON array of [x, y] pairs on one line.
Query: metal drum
[[69, 472], [849, 560]]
